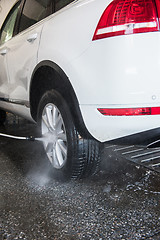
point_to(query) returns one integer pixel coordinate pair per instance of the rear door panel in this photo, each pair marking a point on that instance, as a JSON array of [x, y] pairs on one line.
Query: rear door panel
[[21, 60]]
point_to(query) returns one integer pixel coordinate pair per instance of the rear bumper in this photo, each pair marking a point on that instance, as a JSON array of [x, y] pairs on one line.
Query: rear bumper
[[107, 128], [143, 138]]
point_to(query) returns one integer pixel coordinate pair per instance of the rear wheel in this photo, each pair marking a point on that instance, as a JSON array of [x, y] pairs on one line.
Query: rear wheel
[[2, 117], [70, 155]]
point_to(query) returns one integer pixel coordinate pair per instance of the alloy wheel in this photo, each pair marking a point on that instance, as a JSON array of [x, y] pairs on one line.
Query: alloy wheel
[[54, 135]]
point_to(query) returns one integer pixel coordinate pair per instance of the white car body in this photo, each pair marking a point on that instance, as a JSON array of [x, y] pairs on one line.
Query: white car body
[[114, 72]]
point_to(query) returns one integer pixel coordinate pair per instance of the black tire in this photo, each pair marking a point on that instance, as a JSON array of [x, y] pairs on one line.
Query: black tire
[[82, 156], [2, 117]]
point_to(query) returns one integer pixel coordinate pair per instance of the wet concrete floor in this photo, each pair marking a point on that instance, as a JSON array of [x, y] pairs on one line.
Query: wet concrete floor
[[121, 202]]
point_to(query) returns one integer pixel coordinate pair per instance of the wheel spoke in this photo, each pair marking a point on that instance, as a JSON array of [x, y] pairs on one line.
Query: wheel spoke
[[59, 155], [63, 147], [58, 121], [59, 125], [50, 156], [45, 121], [55, 116], [49, 147], [55, 161], [49, 116]]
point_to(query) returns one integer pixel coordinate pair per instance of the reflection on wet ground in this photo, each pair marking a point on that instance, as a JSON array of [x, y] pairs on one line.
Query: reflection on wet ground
[[121, 202]]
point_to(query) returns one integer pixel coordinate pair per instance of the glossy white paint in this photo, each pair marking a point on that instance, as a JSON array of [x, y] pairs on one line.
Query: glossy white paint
[[3, 73], [116, 72], [107, 128], [22, 51]]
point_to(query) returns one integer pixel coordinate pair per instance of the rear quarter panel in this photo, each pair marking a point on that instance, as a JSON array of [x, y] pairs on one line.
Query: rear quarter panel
[[68, 34]]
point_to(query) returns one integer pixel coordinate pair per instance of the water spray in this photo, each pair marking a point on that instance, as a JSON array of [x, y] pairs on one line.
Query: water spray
[[42, 139]]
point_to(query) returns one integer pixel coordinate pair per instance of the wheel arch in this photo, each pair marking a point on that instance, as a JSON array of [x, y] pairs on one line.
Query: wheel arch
[[46, 76]]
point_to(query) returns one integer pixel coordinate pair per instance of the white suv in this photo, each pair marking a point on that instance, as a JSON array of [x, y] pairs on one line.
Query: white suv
[[88, 71]]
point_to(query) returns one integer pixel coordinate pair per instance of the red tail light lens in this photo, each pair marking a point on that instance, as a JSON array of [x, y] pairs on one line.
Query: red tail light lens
[[129, 111], [127, 17]]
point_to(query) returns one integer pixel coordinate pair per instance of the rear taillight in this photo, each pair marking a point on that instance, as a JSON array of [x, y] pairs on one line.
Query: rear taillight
[[129, 111], [127, 17]]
